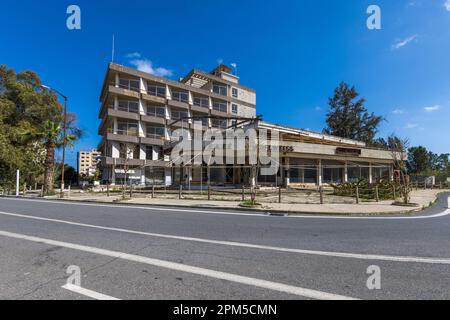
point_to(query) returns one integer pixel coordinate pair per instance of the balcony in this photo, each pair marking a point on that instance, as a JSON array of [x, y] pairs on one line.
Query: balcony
[[111, 112], [153, 139], [121, 161], [124, 91], [129, 136], [153, 98], [153, 119], [219, 109]]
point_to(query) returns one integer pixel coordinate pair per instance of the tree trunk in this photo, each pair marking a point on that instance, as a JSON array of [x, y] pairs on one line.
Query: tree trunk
[[49, 169]]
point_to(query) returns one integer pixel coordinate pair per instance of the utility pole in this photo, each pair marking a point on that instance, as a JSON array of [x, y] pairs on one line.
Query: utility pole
[[64, 136]]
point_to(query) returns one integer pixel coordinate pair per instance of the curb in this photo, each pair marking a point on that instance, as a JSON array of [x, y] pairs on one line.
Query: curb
[[274, 212]]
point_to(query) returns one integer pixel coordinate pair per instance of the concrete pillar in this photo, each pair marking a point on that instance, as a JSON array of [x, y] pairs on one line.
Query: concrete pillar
[[346, 171], [116, 102], [319, 172], [117, 80], [143, 85], [288, 174], [142, 153], [142, 129], [370, 173], [143, 176], [142, 107], [168, 176]]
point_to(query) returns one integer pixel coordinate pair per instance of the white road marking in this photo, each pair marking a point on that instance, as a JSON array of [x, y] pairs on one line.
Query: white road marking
[[87, 293], [275, 286], [256, 214], [427, 260]]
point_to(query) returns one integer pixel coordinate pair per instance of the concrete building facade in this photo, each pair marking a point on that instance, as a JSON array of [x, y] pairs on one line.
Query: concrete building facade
[[140, 111], [87, 162]]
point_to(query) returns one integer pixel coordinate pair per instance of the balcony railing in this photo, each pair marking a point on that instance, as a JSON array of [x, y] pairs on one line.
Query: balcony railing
[[133, 132], [180, 96], [158, 112], [156, 91], [222, 107], [201, 102], [127, 108], [128, 86]]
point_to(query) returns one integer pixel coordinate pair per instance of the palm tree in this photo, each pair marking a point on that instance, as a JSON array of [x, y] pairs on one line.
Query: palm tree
[[51, 136]]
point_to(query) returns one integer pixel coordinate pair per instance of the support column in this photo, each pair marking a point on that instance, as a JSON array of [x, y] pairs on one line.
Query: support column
[[319, 172], [346, 172], [370, 173], [288, 172], [117, 80]]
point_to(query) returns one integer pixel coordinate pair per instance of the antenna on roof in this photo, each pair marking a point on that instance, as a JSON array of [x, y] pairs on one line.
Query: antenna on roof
[[113, 48]]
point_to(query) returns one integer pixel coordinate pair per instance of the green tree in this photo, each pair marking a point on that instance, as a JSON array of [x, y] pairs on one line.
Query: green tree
[[30, 128], [23, 107], [51, 135], [418, 160], [348, 117]]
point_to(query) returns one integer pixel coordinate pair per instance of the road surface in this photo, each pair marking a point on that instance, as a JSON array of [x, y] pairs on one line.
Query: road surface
[[132, 252]]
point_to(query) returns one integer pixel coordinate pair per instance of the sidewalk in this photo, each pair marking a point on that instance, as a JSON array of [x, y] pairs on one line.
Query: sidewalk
[[421, 197]]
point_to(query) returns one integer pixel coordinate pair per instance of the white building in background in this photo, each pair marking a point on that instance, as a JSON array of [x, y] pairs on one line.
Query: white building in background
[[87, 162]]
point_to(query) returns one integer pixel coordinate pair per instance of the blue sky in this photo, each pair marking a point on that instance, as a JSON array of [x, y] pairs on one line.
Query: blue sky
[[294, 53]]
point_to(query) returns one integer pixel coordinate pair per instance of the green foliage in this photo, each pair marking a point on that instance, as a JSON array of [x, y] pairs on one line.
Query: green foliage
[[366, 190], [348, 117], [424, 162], [30, 118]]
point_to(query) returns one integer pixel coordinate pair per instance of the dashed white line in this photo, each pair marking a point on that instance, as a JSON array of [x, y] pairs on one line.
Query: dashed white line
[[427, 260], [270, 285], [88, 293]]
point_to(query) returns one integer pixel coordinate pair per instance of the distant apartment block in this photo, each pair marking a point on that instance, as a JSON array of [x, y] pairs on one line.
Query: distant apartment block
[[87, 162]]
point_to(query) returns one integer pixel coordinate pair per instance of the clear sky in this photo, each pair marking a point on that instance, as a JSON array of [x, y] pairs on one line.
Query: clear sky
[[294, 53]]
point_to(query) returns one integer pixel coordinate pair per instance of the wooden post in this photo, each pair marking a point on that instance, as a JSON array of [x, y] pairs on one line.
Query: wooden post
[[321, 194], [377, 194], [243, 193], [357, 195], [394, 192], [24, 189], [153, 191], [279, 194]]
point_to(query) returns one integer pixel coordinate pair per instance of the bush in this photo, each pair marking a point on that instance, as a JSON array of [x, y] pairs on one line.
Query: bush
[[366, 190]]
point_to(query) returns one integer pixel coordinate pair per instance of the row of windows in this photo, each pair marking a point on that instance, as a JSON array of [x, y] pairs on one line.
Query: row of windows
[[131, 128], [159, 111], [160, 91], [134, 152]]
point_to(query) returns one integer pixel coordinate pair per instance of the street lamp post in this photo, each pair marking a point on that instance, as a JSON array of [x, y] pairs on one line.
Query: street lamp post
[[64, 137]]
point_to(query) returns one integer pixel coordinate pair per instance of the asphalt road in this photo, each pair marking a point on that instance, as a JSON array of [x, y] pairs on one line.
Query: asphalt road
[[171, 253]]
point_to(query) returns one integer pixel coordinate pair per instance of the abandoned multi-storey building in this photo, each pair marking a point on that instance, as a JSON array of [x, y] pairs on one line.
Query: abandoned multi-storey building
[[139, 112]]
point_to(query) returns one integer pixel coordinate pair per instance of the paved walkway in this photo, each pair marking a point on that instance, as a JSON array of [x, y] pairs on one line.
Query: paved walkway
[[423, 198]]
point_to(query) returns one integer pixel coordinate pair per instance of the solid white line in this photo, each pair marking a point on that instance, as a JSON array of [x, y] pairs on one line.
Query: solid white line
[[256, 214], [247, 245], [87, 293], [275, 286]]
